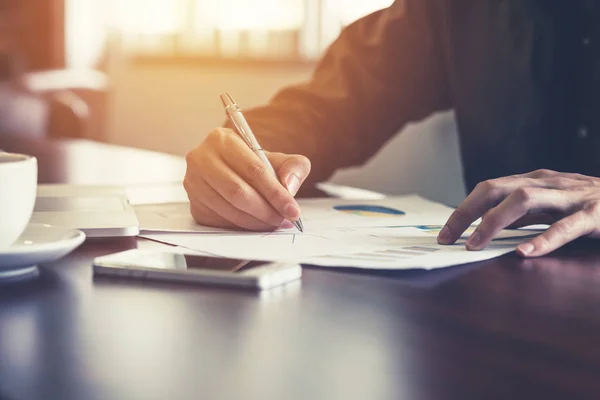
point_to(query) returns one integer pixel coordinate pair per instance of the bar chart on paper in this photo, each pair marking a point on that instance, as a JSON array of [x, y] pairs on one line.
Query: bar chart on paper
[[417, 248]]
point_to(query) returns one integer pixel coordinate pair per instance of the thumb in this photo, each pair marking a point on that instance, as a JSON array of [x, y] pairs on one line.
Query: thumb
[[291, 169]]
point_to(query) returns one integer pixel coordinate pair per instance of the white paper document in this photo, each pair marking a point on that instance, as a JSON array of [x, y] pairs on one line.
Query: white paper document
[[317, 214], [417, 248], [266, 246], [171, 217], [389, 233], [369, 248]]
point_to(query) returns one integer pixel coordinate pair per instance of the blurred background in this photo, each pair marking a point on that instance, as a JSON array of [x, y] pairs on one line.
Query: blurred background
[[148, 73]]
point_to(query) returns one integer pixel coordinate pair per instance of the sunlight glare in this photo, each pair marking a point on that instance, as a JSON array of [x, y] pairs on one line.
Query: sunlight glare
[[350, 11], [159, 17], [85, 32], [149, 17], [242, 15]]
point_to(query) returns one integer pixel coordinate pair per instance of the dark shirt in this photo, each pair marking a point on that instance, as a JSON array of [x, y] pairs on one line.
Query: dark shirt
[[523, 77]]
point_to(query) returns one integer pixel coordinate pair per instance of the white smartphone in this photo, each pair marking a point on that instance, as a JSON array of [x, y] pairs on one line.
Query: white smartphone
[[165, 266]]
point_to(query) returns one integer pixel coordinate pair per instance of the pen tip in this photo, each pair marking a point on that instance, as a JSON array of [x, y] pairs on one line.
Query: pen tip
[[299, 225]]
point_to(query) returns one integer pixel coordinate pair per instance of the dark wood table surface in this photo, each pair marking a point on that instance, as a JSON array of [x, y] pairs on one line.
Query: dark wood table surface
[[501, 329]]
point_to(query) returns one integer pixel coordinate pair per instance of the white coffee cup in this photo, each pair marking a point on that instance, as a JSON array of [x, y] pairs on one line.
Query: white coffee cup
[[18, 184]]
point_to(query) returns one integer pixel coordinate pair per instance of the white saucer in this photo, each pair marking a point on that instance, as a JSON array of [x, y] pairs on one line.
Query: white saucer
[[40, 243]]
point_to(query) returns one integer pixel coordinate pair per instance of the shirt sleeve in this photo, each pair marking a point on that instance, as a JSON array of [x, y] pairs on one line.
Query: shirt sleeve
[[382, 72]]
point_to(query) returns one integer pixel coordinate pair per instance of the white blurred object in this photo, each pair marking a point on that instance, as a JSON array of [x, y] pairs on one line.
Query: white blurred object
[[18, 180], [85, 32], [157, 194], [64, 79], [349, 11]]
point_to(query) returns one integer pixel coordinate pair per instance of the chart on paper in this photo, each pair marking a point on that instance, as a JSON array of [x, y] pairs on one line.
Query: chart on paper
[[389, 233], [371, 248], [417, 247], [317, 214]]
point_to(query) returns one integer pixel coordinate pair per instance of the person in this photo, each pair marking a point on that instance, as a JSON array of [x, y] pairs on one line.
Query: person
[[520, 75]]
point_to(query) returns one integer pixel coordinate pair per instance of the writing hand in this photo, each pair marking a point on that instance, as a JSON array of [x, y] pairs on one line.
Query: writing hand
[[569, 202], [229, 187]]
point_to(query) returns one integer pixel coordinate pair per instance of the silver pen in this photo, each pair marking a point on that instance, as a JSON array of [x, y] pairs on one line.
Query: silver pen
[[234, 113]]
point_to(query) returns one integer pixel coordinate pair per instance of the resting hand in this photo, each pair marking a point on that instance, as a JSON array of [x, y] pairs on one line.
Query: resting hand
[[569, 202], [229, 187]]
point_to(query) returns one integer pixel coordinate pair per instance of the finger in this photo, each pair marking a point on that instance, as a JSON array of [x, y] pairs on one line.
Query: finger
[[561, 180], [210, 170], [483, 197], [486, 195], [292, 170], [541, 173], [259, 179], [584, 179], [533, 219], [206, 163], [210, 208], [559, 233], [202, 214], [546, 173], [205, 216], [242, 195], [519, 203]]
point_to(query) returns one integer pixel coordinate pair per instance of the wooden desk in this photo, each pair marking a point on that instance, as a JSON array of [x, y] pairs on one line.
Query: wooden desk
[[502, 329]]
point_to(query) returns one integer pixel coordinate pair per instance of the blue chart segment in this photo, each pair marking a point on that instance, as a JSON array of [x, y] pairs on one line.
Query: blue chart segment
[[367, 210]]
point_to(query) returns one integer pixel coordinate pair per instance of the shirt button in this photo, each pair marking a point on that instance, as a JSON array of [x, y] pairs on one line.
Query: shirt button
[[582, 133]]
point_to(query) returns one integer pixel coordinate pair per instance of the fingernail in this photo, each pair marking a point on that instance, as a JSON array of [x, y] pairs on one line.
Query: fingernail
[[473, 240], [291, 211], [525, 248], [444, 235], [293, 184]]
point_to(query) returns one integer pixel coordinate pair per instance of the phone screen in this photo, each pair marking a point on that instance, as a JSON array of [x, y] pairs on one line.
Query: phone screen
[[174, 261]]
